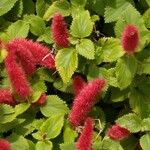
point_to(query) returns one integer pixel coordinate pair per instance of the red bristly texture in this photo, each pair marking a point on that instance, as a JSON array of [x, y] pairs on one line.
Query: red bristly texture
[[17, 76], [41, 54], [78, 84], [84, 101], [24, 56], [130, 38], [5, 145], [41, 100], [6, 97], [59, 31], [118, 133], [85, 140]]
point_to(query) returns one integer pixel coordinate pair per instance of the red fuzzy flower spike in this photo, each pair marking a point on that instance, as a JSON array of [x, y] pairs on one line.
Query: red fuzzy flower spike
[[5, 145], [42, 99], [24, 56], [6, 97], [41, 54], [84, 101], [59, 31], [78, 84], [17, 76], [85, 140], [118, 133], [130, 38]]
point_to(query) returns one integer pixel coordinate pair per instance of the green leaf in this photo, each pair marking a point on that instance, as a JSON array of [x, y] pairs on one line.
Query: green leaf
[[41, 7], [19, 29], [78, 2], [7, 113], [111, 49], [86, 48], [82, 25], [148, 2], [66, 63], [146, 18], [18, 142], [3, 54], [54, 105], [69, 135], [52, 126], [37, 25], [125, 70], [131, 121], [140, 100], [62, 7], [6, 5], [67, 146], [47, 145], [145, 124], [21, 108], [115, 10], [46, 37], [28, 7], [36, 95], [118, 95], [145, 141]]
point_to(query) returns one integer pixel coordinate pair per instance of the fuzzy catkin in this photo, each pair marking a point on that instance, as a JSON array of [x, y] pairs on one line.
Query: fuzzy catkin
[[85, 140], [23, 55], [17, 76], [84, 101], [5, 145], [41, 54], [78, 84], [116, 132], [130, 38], [6, 97], [59, 31]]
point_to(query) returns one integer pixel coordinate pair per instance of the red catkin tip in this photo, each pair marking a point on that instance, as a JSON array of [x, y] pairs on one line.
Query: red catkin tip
[[41, 100], [84, 101], [85, 140], [118, 133], [59, 31], [5, 145], [6, 97], [78, 84], [130, 38]]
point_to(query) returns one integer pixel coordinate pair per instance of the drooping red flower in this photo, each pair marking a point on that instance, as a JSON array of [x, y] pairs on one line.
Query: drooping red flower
[[78, 84], [17, 76], [24, 56], [5, 145], [130, 38], [84, 101], [85, 140], [59, 31], [41, 54], [41, 100], [6, 97], [116, 132]]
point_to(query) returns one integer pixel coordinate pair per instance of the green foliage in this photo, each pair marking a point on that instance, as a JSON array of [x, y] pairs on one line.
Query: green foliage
[[66, 63], [82, 25], [95, 50]]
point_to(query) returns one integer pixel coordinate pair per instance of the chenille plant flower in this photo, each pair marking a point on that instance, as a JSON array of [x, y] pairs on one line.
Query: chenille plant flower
[[116, 132], [85, 140], [5, 145], [17, 76], [60, 31], [6, 97], [84, 101], [77, 84], [130, 38]]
